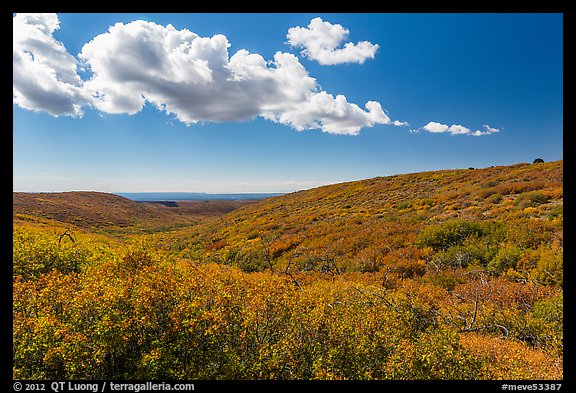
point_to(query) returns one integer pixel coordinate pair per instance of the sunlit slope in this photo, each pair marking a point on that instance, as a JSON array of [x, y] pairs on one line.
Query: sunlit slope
[[437, 275], [113, 213], [359, 225]]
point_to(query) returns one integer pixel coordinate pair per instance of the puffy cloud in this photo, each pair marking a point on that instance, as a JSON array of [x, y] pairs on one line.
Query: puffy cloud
[[192, 77], [333, 115], [456, 129], [435, 127], [195, 79], [321, 40], [44, 73]]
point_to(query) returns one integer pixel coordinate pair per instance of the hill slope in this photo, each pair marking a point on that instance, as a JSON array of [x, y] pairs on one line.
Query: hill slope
[[103, 211], [365, 224], [438, 275]]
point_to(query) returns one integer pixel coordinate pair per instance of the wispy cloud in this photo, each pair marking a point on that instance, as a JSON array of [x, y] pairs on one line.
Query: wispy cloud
[[321, 41], [487, 131]]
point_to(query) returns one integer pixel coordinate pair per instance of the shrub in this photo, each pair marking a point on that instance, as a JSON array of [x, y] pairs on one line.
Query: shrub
[[462, 256], [403, 205], [485, 193], [549, 266], [436, 356], [547, 322], [450, 233], [445, 279], [408, 268], [494, 198], [137, 256], [38, 252], [506, 258], [531, 199]]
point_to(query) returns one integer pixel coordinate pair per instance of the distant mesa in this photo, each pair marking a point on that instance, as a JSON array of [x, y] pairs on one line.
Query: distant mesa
[[167, 203]]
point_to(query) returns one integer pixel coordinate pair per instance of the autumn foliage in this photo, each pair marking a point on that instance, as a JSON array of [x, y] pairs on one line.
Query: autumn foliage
[[418, 276]]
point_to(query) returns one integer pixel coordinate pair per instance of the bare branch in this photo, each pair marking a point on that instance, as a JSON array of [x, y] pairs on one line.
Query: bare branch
[[503, 328], [475, 312], [67, 233]]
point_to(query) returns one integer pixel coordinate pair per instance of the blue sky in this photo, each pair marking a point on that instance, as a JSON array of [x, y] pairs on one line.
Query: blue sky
[[278, 102]]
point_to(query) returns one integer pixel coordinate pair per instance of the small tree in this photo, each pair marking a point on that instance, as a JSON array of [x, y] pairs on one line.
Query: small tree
[[538, 161]]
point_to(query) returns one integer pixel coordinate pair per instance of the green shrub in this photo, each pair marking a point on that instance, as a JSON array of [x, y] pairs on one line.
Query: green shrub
[[449, 234], [531, 199], [505, 259], [494, 198], [403, 205], [462, 256]]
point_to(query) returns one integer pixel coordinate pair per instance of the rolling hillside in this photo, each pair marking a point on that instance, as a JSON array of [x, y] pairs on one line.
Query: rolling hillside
[[366, 224], [454, 274], [103, 211]]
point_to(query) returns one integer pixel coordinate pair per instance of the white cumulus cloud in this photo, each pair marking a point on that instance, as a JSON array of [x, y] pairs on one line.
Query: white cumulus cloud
[[331, 114], [191, 77], [456, 129], [321, 41], [44, 73]]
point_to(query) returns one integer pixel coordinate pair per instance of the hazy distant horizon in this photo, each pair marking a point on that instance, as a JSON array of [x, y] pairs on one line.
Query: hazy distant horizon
[[195, 196], [255, 188], [175, 196]]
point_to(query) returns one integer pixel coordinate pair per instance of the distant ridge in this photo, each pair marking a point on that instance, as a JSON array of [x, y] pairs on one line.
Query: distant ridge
[[193, 196], [98, 210]]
